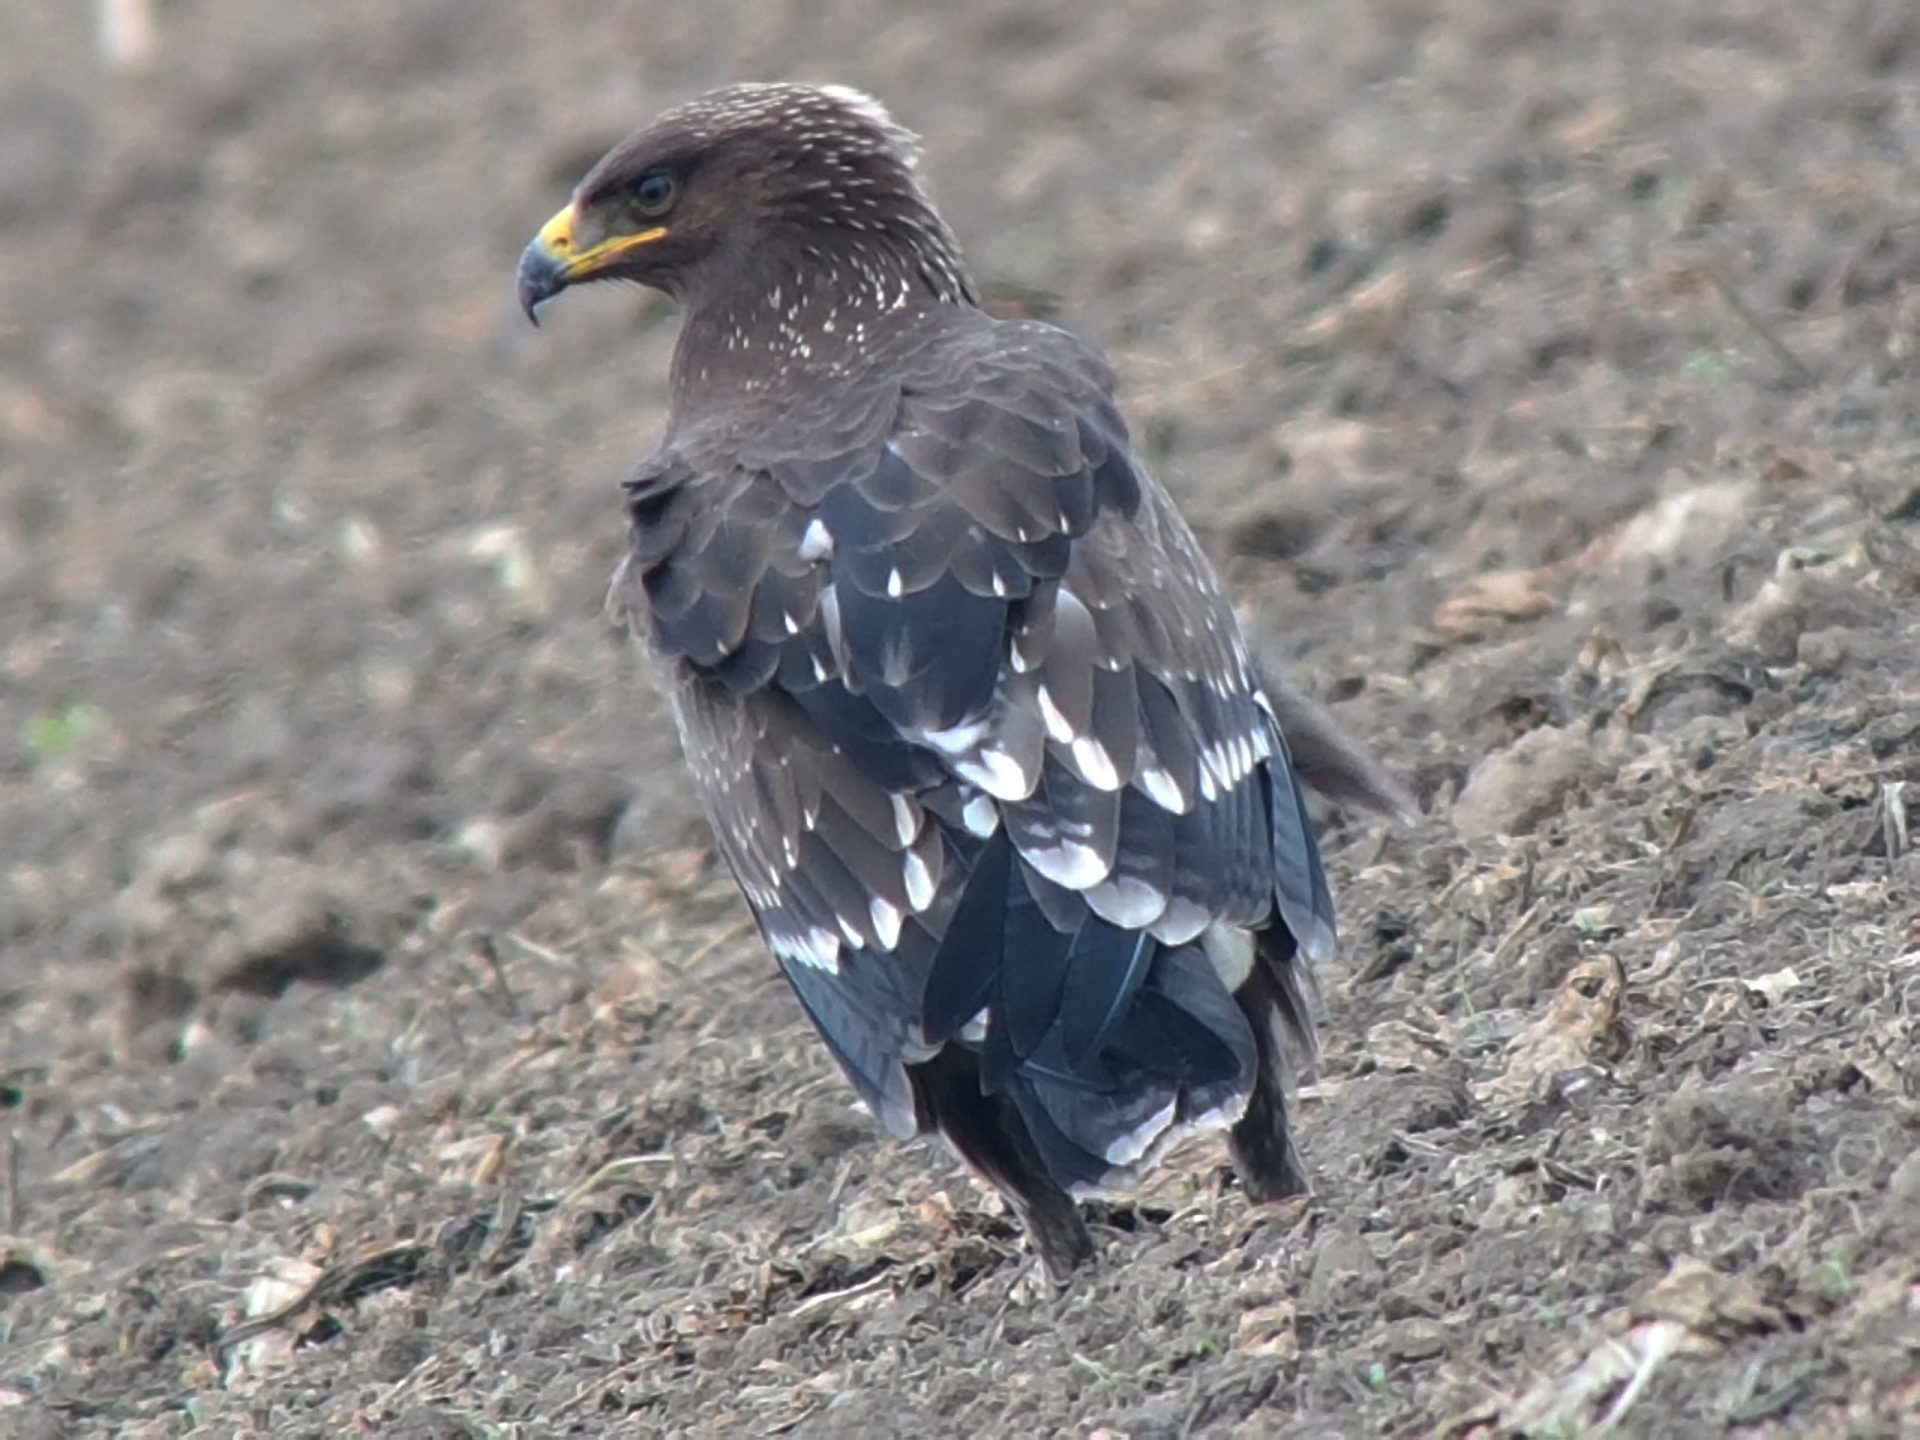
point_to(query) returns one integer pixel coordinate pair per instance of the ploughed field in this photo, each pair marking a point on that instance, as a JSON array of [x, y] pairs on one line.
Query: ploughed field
[[380, 1041]]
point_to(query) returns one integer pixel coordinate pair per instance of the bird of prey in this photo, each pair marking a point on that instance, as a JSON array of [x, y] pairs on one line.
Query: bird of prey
[[972, 719]]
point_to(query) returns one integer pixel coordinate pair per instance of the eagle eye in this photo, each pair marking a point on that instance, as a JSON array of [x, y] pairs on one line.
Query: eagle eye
[[655, 192]]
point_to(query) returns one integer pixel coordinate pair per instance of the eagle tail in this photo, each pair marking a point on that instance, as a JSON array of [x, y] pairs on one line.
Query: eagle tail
[[1181, 1058]]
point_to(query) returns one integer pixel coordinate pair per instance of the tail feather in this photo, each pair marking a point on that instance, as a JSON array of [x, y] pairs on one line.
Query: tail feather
[[1182, 1058], [1103, 1047]]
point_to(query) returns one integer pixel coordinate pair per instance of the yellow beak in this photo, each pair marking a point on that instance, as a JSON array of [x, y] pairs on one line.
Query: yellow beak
[[550, 263]]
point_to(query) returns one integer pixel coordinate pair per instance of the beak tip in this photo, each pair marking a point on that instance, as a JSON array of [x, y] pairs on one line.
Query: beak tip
[[540, 278]]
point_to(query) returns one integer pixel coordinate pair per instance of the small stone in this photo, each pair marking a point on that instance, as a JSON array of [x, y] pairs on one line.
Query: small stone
[[1512, 791], [1417, 1338]]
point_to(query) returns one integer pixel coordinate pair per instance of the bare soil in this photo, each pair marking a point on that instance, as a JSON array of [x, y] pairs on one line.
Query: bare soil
[[381, 1051]]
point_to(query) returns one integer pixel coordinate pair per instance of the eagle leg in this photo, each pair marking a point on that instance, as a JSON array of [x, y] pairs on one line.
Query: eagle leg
[[987, 1132], [1276, 1008]]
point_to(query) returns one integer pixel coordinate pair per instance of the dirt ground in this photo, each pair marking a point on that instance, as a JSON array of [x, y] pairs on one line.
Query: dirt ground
[[381, 1051]]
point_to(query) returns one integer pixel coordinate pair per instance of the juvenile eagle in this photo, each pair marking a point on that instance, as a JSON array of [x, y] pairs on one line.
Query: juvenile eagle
[[973, 722]]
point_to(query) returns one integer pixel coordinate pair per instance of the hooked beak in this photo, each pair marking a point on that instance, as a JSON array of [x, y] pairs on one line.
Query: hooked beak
[[551, 262]]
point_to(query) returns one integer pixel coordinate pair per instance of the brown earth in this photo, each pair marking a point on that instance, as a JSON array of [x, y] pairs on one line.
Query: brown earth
[[380, 1051]]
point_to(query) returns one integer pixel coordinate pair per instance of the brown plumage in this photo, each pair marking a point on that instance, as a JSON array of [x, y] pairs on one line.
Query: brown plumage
[[975, 726]]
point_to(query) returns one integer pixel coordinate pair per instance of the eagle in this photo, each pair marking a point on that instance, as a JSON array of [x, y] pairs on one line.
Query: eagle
[[971, 716]]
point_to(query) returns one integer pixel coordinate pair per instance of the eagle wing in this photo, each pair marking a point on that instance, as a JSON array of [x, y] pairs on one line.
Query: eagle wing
[[976, 728]]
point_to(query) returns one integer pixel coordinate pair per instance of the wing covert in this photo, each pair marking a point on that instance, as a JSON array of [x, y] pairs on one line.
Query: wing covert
[[980, 633]]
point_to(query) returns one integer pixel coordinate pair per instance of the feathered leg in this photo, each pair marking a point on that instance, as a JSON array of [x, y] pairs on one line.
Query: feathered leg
[[1278, 1006], [989, 1135]]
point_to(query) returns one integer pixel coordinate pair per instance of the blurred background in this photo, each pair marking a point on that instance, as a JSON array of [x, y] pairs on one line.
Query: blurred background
[[378, 1043]]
